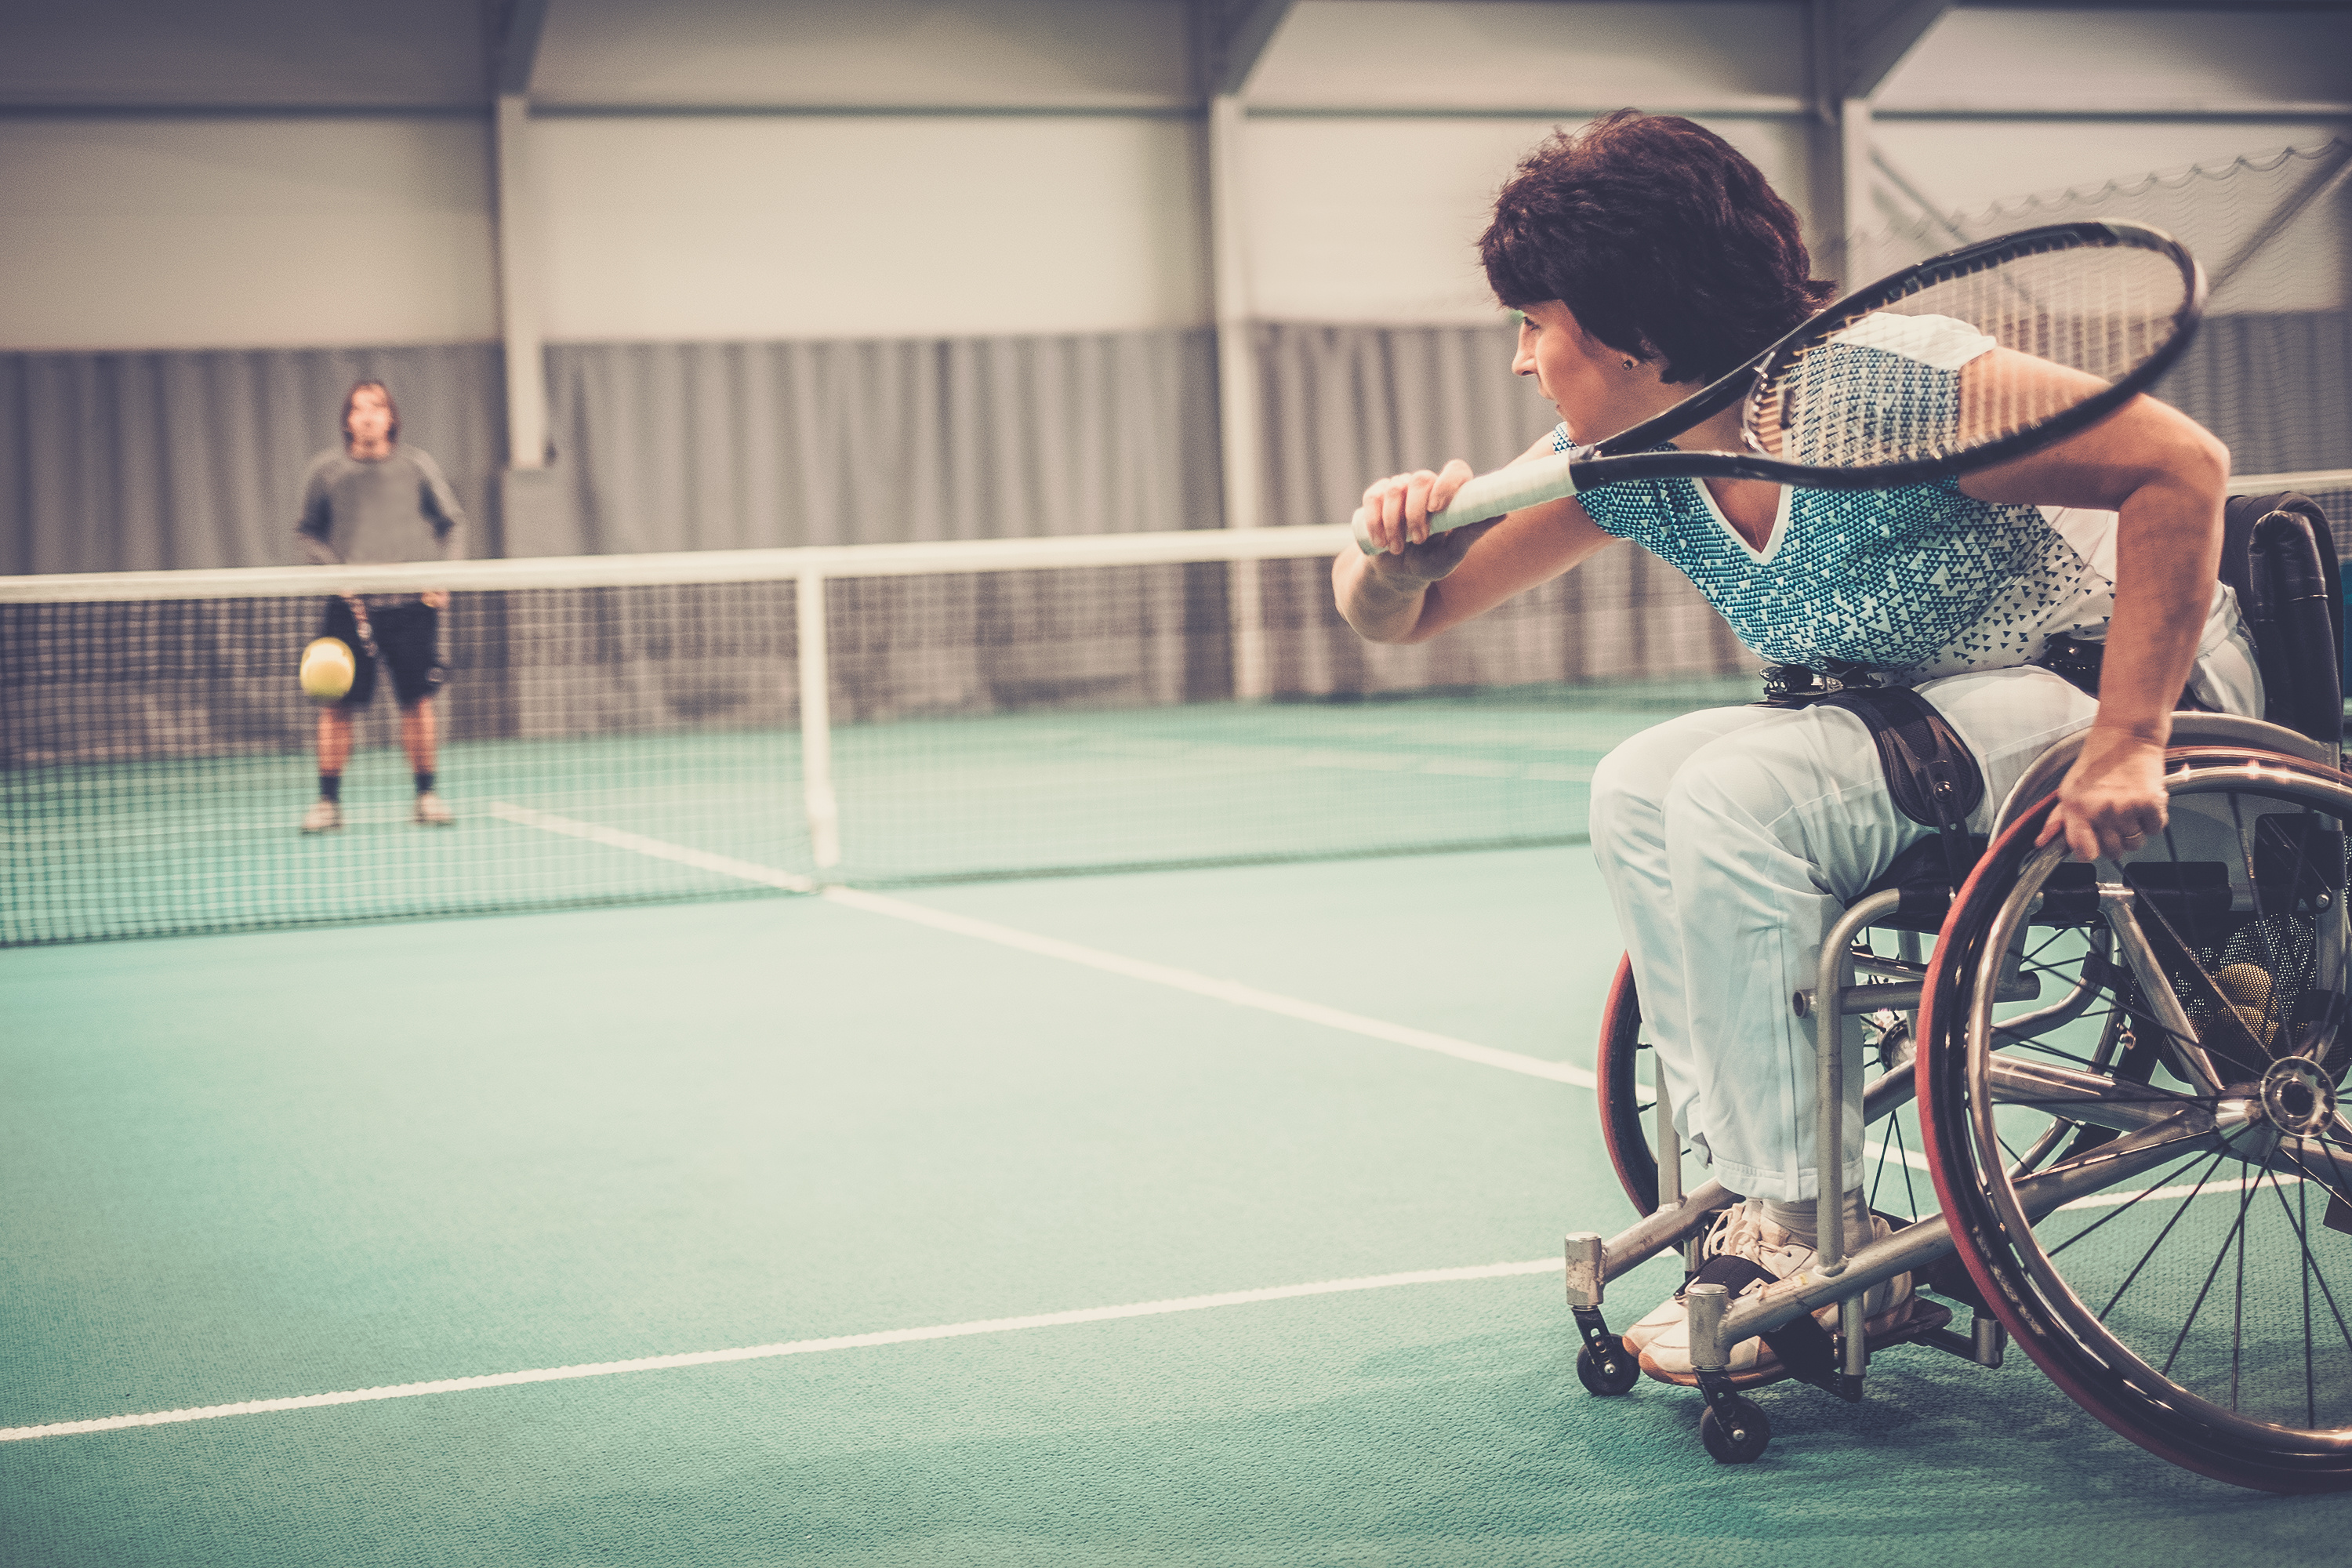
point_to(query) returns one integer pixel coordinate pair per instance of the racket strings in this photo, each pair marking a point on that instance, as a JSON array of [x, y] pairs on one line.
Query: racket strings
[[1885, 385]]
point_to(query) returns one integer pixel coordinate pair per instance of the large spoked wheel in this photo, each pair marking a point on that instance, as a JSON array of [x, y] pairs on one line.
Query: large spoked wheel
[[1625, 1102], [1625, 1069], [2142, 1166]]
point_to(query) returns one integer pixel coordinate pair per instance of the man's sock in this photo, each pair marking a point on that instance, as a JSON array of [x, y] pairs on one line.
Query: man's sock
[[1802, 1221], [331, 786], [424, 780]]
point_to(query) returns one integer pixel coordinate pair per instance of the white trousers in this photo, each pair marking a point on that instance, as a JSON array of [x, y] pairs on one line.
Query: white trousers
[[1732, 840]]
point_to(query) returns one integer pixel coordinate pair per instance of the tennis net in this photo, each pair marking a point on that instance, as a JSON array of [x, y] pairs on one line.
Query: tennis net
[[623, 728]]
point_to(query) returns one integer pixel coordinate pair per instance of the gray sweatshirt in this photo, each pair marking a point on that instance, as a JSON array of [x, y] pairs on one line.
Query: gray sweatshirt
[[356, 513]]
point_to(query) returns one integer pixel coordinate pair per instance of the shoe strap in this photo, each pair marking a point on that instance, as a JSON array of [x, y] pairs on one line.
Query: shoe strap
[[1734, 1273]]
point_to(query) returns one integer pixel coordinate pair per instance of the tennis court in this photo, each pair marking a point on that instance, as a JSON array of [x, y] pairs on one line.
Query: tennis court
[[893, 983], [1179, 1217]]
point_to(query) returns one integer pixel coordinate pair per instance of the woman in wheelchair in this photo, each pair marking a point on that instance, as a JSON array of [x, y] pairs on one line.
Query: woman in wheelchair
[[1647, 257]]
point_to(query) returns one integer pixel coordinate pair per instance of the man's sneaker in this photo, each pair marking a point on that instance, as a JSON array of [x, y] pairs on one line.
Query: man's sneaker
[[431, 813], [324, 816], [1885, 1307], [1728, 1231]]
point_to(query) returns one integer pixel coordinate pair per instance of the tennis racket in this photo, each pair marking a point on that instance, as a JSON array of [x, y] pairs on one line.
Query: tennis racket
[[2092, 313]]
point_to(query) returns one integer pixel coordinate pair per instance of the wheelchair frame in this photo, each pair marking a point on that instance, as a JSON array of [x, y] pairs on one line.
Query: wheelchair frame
[[1733, 1428]]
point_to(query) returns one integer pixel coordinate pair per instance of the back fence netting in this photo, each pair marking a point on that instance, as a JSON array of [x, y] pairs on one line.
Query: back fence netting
[[701, 725], [2270, 370]]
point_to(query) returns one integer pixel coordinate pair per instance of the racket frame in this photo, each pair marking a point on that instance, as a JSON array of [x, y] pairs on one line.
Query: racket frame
[[1625, 455]]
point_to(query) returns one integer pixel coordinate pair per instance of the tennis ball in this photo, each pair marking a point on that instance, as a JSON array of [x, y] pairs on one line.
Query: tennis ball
[[2248, 984], [327, 669], [2264, 1030]]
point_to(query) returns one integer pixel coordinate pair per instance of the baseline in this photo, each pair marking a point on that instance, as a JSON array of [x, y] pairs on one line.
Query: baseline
[[1229, 990]]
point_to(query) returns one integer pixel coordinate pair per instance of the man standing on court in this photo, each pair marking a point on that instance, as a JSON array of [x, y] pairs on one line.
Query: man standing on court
[[377, 500]]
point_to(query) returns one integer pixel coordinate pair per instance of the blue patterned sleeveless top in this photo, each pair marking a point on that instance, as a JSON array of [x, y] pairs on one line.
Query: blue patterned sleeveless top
[[1919, 582]]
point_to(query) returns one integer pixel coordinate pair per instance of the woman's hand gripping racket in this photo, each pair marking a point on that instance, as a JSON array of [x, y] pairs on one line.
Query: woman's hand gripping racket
[[2082, 316]]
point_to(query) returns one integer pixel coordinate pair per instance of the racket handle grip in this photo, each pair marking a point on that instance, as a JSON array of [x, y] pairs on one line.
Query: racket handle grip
[[1492, 495]]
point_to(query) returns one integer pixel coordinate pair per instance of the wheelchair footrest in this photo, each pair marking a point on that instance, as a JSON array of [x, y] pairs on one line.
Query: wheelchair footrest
[[1925, 1317]]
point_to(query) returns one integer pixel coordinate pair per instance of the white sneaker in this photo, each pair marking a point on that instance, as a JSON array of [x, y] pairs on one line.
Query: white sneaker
[[431, 813], [1885, 1307], [324, 816], [1671, 1312]]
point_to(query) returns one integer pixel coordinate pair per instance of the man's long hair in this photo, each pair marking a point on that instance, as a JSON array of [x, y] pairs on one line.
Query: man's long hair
[[389, 406], [1661, 239]]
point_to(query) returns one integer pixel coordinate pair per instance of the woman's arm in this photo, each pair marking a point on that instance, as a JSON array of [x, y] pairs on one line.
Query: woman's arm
[[1417, 586], [2166, 479]]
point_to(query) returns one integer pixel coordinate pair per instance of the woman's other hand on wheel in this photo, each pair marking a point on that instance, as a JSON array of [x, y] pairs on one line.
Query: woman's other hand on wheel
[[2113, 802]]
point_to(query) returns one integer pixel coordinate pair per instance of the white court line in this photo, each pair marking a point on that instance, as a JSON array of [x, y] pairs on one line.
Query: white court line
[[790, 1347], [1203, 986], [1068, 952], [724, 865], [2117, 1200]]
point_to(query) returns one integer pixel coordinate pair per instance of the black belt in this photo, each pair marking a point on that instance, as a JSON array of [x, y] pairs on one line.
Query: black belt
[[1931, 774]]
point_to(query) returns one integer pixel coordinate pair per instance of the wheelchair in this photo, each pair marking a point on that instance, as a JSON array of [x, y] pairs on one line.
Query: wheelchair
[[2121, 1081]]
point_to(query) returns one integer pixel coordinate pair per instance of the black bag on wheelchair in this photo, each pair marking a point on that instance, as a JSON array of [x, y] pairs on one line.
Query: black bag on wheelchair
[[2279, 554]]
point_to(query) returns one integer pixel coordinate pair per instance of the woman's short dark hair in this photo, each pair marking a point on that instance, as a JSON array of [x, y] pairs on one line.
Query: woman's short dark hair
[[1659, 236], [389, 406]]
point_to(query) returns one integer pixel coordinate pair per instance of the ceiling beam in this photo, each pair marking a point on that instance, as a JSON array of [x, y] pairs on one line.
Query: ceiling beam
[[1860, 42], [1232, 39], [515, 28]]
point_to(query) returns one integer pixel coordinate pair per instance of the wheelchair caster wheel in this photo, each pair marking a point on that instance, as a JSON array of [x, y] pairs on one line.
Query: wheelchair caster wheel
[[1613, 1375], [1735, 1431]]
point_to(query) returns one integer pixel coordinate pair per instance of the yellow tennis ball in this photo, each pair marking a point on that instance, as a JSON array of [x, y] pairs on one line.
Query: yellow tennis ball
[[2264, 1031], [2247, 984], [327, 669]]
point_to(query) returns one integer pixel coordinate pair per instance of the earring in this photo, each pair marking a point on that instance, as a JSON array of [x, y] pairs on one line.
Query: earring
[[1630, 361]]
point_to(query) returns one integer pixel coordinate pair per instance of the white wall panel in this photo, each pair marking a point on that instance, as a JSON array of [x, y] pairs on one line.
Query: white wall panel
[[1431, 53], [937, 53], [803, 227], [2158, 60], [217, 233], [1378, 220]]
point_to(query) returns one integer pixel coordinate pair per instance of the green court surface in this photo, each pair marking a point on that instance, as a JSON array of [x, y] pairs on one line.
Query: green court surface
[[255, 1167]]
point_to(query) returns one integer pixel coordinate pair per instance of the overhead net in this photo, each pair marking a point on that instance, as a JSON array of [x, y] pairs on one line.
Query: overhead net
[[626, 729], [2271, 369]]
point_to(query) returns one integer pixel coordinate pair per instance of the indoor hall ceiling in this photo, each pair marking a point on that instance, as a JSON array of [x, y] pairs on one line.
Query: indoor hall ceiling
[[434, 55], [337, 54]]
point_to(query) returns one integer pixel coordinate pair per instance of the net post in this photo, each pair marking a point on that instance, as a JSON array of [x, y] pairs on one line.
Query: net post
[[817, 801]]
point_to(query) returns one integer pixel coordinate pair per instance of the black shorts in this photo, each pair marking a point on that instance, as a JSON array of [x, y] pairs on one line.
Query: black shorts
[[407, 639]]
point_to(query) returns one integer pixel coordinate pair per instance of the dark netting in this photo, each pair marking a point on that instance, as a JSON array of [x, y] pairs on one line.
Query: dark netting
[[2270, 372], [644, 741], [156, 758]]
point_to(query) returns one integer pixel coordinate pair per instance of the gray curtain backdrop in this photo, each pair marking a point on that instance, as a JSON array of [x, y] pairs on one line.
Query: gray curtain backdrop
[[1345, 404], [141, 460], [746, 445], [169, 459], [191, 458], [2276, 388]]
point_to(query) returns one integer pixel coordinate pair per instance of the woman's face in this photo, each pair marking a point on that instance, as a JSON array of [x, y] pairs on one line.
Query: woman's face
[[1590, 383]]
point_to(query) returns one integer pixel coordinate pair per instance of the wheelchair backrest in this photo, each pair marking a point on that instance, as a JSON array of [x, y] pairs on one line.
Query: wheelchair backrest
[[2279, 554]]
